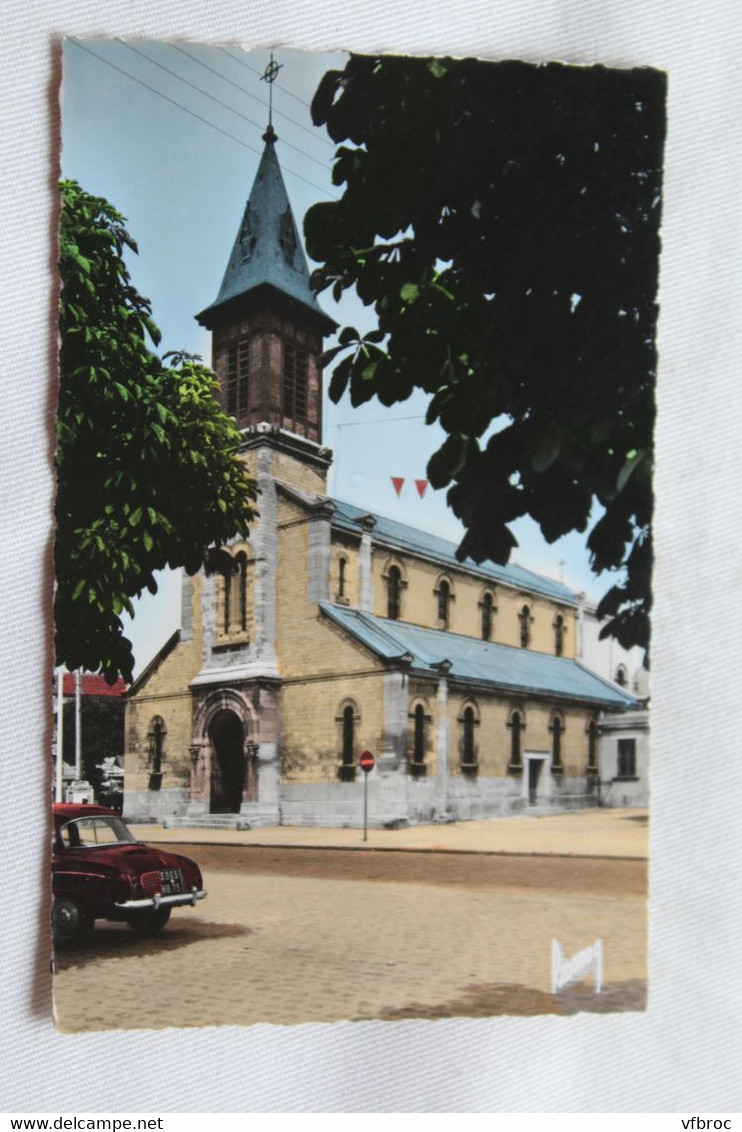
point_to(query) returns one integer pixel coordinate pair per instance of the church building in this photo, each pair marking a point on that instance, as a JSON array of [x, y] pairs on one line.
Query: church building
[[339, 630]]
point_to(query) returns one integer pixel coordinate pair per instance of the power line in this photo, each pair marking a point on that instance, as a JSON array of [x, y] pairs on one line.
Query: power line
[[205, 121], [284, 90], [243, 90], [377, 420], [218, 101]]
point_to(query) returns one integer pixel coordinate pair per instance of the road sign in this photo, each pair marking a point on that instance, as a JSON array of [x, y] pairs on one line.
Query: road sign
[[366, 761]]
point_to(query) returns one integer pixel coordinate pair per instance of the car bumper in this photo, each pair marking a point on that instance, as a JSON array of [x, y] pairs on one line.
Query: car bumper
[[159, 901]]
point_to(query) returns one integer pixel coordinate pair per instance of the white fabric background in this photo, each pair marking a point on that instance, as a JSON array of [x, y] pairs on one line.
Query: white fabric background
[[680, 1056]]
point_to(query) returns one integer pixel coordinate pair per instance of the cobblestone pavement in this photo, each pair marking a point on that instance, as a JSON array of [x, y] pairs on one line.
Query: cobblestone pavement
[[289, 936]]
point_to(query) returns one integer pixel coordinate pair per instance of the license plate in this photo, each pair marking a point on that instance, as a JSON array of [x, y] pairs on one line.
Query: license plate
[[172, 881]]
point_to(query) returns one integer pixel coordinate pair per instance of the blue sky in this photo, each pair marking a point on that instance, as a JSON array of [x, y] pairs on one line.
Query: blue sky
[[171, 135]]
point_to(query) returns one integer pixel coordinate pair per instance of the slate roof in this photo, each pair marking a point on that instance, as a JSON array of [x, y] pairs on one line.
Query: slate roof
[[398, 535], [479, 663], [268, 249], [92, 685]]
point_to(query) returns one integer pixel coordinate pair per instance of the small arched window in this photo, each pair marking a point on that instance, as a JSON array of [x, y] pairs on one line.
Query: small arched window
[[348, 735], [516, 725], [295, 381], [238, 379], [342, 567], [592, 746], [156, 750], [419, 744], [444, 603], [242, 590], [557, 730], [156, 743], [348, 720], [621, 676], [559, 634], [393, 593], [469, 720], [419, 741], [524, 617], [235, 596], [488, 608]]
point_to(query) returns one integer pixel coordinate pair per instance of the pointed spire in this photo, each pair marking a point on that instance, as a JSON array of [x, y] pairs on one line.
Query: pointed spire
[[267, 251]]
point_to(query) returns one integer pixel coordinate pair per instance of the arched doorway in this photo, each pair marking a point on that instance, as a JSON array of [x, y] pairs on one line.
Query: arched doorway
[[227, 737]]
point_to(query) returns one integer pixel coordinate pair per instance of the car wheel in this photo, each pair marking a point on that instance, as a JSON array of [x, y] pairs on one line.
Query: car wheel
[[147, 924], [69, 922]]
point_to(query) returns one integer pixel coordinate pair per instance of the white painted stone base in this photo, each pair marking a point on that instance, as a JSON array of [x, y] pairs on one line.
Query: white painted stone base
[[393, 798], [155, 805], [623, 792], [418, 801]]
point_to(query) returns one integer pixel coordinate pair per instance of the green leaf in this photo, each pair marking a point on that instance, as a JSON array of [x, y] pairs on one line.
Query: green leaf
[[437, 68], [548, 449], [632, 462], [447, 461]]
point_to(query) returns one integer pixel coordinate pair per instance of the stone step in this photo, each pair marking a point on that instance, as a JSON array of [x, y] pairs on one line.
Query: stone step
[[209, 821]]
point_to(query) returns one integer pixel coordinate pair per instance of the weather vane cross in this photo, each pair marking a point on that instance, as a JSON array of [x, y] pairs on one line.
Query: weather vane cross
[[270, 74]]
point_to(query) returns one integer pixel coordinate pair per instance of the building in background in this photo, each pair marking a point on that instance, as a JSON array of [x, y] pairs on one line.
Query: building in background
[[336, 630], [624, 737], [92, 738]]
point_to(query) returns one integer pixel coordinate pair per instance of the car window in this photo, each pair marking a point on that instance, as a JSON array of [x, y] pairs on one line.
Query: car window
[[99, 830]]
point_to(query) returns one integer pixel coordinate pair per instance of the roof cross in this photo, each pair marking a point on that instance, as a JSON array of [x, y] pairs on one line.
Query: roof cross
[[269, 76]]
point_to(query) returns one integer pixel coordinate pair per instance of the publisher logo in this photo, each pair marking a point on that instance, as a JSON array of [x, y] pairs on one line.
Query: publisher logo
[[565, 971]]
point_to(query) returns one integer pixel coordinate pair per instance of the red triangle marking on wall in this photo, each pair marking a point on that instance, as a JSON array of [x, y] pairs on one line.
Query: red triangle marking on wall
[[421, 485], [397, 481]]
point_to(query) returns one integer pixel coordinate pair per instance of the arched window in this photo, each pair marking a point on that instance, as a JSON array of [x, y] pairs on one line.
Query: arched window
[[488, 608], [516, 725], [156, 750], [393, 593], [525, 619], [348, 720], [294, 381], [557, 730], [419, 722], [621, 676], [445, 597], [235, 596], [238, 379], [559, 634], [469, 721], [592, 746], [241, 585], [342, 567], [348, 735]]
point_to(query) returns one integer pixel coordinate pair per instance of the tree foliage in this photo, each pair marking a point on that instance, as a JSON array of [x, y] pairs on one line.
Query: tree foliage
[[503, 221], [148, 475]]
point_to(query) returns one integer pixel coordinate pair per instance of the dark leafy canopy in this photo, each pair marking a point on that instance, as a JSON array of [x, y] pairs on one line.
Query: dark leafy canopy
[[147, 472], [503, 220]]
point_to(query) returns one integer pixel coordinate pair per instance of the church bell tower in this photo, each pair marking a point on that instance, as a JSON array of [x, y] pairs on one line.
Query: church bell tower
[[268, 327]]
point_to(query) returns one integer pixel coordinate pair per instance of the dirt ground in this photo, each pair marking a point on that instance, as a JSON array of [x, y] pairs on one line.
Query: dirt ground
[[466, 870], [299, 935]]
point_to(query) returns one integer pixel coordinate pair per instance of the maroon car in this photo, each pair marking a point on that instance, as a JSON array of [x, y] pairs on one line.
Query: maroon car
[[100, 871]]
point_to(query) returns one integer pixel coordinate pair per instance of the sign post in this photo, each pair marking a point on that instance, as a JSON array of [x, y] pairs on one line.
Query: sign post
[[366, 763]]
